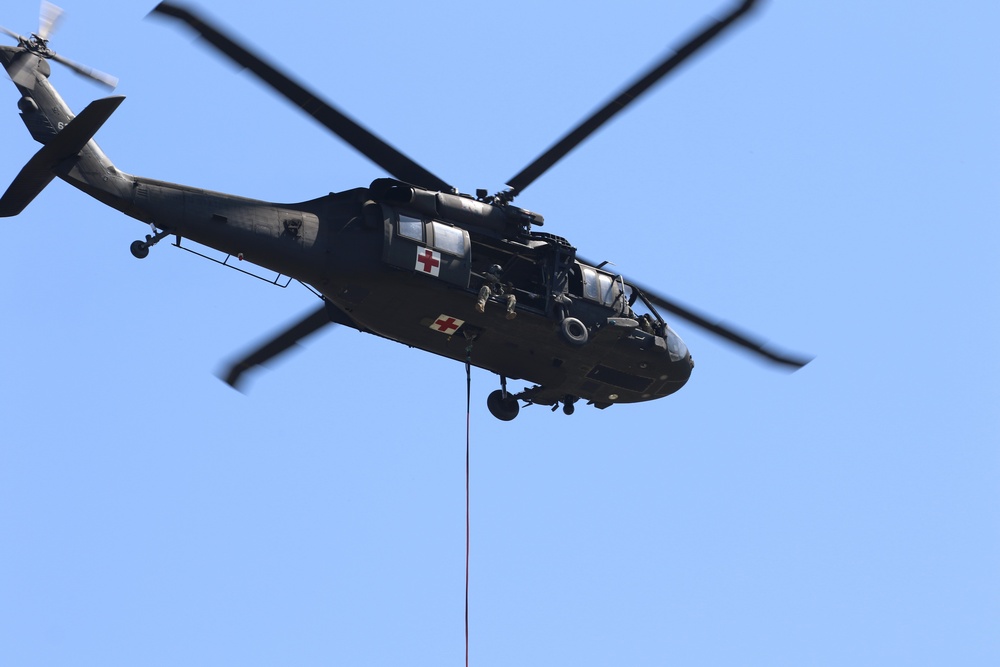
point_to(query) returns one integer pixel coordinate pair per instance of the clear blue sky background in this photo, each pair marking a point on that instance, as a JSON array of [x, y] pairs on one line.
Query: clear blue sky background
[[826, 177]]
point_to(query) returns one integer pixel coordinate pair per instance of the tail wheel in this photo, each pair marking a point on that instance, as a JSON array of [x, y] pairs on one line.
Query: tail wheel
[[502, 405]]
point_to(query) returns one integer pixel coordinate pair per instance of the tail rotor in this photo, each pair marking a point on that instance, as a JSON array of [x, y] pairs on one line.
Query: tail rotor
[[47, 20], [38, 45]]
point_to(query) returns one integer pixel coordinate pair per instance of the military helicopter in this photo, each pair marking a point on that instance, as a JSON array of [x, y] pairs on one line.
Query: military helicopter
[[409, 258]]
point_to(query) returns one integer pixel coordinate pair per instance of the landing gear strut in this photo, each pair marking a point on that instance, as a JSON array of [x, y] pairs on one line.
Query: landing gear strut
[[140, 249]]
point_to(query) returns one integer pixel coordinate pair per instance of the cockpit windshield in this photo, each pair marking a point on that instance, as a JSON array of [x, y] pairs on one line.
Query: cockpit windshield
[[677, 348]]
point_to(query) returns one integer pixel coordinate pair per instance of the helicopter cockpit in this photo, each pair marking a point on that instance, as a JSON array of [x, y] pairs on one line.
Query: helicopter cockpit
[[650, 321], [604, 288], [599, 288]]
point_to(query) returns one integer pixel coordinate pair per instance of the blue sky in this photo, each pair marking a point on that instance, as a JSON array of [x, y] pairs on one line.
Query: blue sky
[[826, 177]]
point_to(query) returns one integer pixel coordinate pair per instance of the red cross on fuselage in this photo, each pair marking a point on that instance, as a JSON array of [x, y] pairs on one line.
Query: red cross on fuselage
[[446, 325], [428, 260]]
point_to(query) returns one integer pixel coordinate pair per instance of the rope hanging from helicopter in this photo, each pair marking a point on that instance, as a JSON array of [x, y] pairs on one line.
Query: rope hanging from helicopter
[[468, 419]]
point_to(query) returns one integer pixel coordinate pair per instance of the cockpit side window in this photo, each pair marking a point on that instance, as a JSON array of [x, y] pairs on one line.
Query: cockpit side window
[[603, 288], [590, 290], [606, 288]]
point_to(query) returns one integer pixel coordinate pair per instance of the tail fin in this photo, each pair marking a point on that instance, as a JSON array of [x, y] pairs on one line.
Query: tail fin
[[66, 145]]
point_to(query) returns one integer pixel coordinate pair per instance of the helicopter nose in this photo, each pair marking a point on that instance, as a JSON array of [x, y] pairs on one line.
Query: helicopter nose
[[676, 347], [681, 363]]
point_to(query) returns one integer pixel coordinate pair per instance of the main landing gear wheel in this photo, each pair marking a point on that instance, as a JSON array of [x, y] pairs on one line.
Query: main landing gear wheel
[[502, 405], [139, 249]]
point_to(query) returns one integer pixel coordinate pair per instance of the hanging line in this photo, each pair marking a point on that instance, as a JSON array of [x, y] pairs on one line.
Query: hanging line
[[468, 413]]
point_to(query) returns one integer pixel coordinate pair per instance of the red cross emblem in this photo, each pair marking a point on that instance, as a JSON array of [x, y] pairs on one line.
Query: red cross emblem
[[428, 261], [447, 324]]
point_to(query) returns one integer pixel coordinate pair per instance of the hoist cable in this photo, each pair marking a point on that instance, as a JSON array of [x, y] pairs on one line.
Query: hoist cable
[[468, 413]]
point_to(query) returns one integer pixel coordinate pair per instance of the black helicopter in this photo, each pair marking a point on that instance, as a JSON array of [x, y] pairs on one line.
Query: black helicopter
[[408, 258]]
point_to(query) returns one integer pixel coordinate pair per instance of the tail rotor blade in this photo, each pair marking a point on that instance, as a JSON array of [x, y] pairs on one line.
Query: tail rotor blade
[[48, 19], [89, 72], [11, 33], [37, 46]]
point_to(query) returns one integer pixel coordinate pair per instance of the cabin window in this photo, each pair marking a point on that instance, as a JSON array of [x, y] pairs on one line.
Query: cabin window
[[411, 228], [449, 239], [427, 246]]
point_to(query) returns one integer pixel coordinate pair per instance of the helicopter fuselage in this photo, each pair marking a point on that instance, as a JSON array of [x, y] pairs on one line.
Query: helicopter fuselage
[[408, 264], [402, 274]]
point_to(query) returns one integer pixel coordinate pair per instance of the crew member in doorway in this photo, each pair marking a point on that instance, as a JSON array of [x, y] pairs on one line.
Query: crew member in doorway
[[494, 287]]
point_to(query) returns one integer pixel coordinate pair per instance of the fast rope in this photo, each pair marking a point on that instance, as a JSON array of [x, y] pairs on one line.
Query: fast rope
[[468, 413]]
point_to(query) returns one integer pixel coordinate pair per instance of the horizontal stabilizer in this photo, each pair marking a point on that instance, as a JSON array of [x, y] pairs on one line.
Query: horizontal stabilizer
[[68, 143]]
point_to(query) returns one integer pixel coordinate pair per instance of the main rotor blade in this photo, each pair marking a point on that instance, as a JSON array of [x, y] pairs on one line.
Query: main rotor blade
[[727, 332], [575, 137], [290, 337], [731, 334], [374, 148]]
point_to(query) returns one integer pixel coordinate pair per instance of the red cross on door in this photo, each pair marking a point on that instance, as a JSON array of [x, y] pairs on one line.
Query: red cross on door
[[447, 324], [428, 261]]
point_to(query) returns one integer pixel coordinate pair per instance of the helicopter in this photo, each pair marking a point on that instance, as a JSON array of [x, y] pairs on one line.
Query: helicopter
[[409, 257]]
